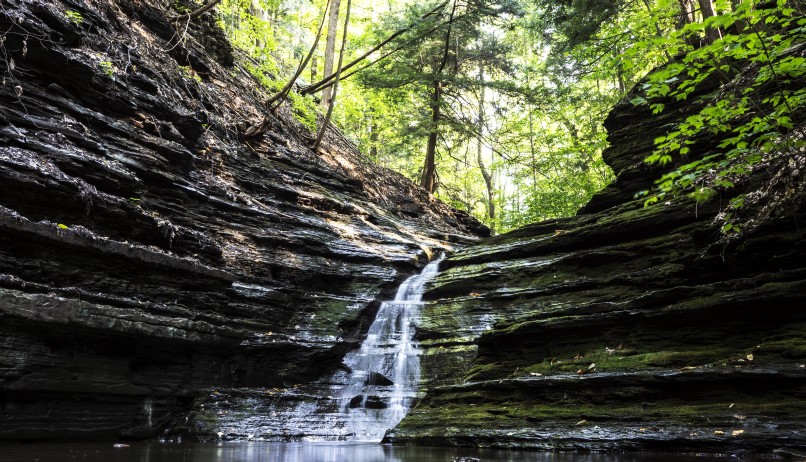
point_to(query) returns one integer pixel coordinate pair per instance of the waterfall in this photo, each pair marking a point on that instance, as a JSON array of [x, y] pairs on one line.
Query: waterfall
[[385, 371], [148, 410]]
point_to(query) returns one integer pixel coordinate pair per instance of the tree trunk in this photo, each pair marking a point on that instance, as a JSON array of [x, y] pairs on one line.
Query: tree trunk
[[313, 68], [488, 178], [373, 137], [330, 106], [686, 13], [532, 151], [687, 17], [622, 87], [429, 178], [330, 47], [257, 10], [712, 34]]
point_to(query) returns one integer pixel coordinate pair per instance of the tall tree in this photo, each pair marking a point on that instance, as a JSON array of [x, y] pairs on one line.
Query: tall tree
[[485, 173], [440, 67], [335, 86], [428, 180], [330, 47]]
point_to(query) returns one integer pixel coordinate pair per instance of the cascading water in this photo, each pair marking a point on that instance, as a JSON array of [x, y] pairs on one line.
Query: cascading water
[[360, 401], [386, 369]]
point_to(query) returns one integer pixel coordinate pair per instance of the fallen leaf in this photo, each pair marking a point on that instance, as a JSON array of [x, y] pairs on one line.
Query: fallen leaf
[[582, 422], [719, 432], [475, 294], [687, 368], [731, 405], [736, 432], [579, 356], [592, 366], [535, 374], [739, 417], [750, 357], [581, 371], [557, 232]]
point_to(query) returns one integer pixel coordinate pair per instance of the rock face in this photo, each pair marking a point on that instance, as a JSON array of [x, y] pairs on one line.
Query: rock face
[[162, 233], [623, 328]]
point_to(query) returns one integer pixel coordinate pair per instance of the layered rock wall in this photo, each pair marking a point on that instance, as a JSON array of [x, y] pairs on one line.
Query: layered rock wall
[[162, 232]]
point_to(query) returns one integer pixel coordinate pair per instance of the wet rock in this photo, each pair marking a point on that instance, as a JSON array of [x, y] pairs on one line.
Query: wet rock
[[374, 378], [150, 252], [367, 402], [374, 402], [356, 402]]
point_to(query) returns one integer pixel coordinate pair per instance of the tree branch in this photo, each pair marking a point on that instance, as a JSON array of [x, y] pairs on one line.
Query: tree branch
[[314, 87], [284, 91], [196, 13]]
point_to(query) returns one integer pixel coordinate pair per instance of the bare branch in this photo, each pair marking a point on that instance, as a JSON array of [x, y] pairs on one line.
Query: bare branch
[[196, 13]]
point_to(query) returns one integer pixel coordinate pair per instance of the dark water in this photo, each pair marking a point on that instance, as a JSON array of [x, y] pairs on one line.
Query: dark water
[[303, 452]]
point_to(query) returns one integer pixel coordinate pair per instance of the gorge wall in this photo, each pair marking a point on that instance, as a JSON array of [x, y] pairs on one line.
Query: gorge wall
[[162, 232], [625, 327], [173, 257]]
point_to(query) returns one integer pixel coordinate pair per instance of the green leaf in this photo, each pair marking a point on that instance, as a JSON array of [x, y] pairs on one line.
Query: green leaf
[[638, 100]]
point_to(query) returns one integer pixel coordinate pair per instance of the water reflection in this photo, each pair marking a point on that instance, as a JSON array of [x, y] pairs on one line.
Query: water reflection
[[304, 452]]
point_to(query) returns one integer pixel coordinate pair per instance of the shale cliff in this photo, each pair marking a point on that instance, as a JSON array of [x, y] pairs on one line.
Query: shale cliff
[[625, 327], [162, 232]]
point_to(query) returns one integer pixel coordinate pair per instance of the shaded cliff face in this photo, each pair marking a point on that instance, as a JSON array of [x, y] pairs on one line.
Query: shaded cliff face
[[624, 328], [162, 233]]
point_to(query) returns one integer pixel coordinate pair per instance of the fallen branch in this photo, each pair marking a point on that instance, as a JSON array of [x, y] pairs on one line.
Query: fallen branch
[[196, 13]]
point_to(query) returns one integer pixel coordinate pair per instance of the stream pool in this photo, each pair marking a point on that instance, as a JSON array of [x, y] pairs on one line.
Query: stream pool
[[304, 452]]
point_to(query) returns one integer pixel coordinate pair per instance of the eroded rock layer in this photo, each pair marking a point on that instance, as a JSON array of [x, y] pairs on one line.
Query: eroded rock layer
[[626, 328], [161, 232]]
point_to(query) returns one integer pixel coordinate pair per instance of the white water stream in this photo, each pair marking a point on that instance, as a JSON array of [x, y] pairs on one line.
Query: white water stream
[[386, 369]]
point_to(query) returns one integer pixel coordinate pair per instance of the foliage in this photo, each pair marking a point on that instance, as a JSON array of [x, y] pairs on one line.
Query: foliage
[[108, 68], [525, 86], [189, 73], [756, 119], [545, 172], [74, 17], [304, 108]]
